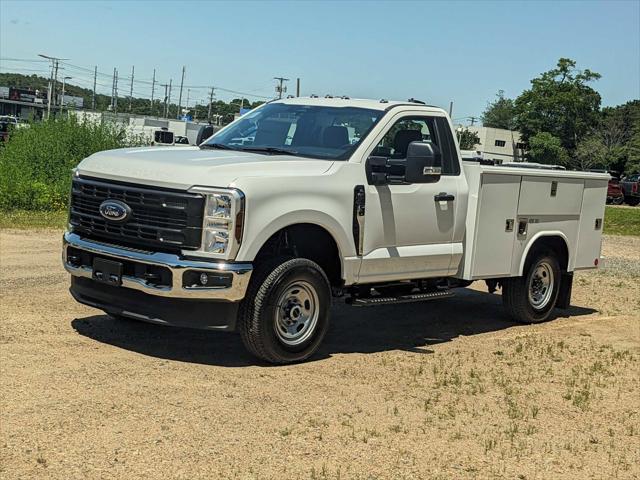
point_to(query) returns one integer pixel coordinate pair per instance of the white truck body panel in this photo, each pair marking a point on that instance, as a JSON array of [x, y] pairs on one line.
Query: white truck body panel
[[551, 202]]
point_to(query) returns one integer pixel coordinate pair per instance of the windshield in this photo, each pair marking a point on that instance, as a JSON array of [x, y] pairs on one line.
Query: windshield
[[303, 130]]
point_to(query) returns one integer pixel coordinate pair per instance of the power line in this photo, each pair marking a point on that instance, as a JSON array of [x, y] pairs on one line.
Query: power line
[[6, 59], [222, 89]]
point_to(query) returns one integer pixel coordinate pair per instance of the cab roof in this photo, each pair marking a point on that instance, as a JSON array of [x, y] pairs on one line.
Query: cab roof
[[371, 104]]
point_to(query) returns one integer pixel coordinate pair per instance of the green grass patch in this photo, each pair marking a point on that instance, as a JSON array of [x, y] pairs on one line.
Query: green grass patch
[[23, 219], [622, 221]]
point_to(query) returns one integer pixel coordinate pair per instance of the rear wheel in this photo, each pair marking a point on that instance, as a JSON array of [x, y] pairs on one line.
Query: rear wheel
[[285, 314], [532, 297]]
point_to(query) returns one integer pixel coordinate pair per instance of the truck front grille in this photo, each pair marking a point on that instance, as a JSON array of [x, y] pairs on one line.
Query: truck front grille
[[163, 219]]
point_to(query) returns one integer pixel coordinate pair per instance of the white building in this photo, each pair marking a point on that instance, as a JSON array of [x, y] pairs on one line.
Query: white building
[[498, 144]]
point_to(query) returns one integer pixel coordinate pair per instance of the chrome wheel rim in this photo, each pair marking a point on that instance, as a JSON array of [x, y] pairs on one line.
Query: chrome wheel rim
[[297, 313], [541, 286]]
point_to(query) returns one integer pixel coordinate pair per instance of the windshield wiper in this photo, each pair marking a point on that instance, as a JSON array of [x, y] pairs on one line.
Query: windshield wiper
[[271, 150], [219, 146]]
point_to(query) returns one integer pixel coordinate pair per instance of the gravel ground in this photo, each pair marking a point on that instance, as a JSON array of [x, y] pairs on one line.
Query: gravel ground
[[448, 389]]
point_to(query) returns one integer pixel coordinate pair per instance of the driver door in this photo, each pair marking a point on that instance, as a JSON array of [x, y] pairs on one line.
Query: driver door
[[409, 229]]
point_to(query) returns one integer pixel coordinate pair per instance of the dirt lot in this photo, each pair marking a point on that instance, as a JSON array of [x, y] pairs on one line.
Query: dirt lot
[[448, 389]]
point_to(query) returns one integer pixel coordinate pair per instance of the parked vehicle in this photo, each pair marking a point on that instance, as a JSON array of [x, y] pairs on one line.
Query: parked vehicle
[[7, 122], [631, 189], [165, 137], [334, 197], [614, 192]]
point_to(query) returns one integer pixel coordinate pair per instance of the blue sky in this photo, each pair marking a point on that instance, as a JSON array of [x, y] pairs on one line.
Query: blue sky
[[434, 51]]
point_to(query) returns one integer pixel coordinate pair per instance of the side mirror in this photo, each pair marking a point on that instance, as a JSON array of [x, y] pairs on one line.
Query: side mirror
[[423, 163], [205, 132]]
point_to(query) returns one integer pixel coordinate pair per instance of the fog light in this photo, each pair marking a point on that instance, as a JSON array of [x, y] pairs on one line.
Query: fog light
[[200, 279]]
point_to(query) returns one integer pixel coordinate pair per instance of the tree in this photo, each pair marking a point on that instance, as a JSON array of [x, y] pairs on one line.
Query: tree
[[501, 113], [561, 103], [545, 148], [592, 153], [618, 128], [632, 164], [468, 139]]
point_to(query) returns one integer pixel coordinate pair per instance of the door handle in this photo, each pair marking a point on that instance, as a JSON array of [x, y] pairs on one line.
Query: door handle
[[444, 197]]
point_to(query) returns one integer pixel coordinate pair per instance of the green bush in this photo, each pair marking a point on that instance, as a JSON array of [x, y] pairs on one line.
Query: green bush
[[36, 162]]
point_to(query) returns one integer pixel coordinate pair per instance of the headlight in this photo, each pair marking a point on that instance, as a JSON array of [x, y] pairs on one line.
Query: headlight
[[223, 221]]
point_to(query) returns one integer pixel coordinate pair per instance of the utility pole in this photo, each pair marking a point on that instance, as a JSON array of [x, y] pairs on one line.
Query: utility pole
[[55, 76], [180, 96], [164, 112], [53, 79], [115, 96], [64, 79], [169, 100], [210, 103], [93, 97], [280, 89], [153, 89], [186, 107], [473, 120], [450, 108], [133, 68], [113, 87], [195, 111], [298, 87], [50, 86]]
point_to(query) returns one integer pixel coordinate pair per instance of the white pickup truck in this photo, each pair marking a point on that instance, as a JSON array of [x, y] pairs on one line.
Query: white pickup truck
[[330, 197]]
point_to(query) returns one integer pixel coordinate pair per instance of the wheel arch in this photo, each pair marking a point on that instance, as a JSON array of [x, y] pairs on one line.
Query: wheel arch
[[309, 236], [556, 241]]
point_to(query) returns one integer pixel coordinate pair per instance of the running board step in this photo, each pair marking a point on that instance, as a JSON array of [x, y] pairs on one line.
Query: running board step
[[415, 297]]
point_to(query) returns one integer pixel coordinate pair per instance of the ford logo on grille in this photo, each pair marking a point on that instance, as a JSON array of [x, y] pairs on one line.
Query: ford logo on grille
[[115, 210]]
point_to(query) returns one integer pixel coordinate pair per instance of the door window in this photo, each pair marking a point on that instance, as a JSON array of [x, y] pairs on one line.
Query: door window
[[420, 129], [406, 130]]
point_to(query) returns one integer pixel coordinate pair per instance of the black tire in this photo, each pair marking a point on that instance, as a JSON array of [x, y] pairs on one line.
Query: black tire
[[262, 313], [633, 201], [515, 291]]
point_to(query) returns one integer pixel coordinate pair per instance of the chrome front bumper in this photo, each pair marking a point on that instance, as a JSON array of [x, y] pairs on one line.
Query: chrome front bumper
[[240, 272]]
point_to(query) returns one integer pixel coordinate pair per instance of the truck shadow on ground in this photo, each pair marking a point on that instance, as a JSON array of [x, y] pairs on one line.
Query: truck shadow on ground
[[413, 327]]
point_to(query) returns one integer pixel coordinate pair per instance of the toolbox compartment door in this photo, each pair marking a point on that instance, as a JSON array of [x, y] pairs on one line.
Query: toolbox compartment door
[[591, 224], [496, 225], [544, 195]]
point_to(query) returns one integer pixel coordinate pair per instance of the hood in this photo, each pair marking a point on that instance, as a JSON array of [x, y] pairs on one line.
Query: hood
[[184, 167]]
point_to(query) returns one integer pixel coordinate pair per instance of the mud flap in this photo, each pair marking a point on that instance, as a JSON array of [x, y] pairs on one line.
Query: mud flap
[[564, 295]]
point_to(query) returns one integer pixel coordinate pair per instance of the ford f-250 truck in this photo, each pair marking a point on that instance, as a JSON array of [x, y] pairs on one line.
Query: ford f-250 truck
[[329, 197]]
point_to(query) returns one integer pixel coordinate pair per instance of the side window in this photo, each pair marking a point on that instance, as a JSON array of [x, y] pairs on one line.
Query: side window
[[406, 130]]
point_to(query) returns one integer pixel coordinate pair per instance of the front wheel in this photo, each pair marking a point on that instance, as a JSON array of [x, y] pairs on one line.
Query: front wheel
[[532, 297], [285, 314]]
